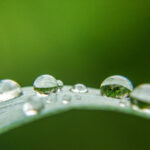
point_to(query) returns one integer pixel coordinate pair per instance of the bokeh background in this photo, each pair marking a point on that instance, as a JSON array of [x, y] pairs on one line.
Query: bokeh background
[[76, 41]]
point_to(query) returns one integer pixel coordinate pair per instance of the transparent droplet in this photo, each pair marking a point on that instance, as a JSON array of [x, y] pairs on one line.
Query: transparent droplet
[[33, 106], [66, 99], [116, 87], [9, 89], [79, 88], [122, 104], [52, 98], [44, 84], [77, 97], [140, 98], [60, 85]]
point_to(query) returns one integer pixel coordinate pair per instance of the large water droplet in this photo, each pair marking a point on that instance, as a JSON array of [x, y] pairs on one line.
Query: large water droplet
[[116, 87], [9, 89], [33, 106], [140, 98], [44, 84], [66, 99], [79, 88]]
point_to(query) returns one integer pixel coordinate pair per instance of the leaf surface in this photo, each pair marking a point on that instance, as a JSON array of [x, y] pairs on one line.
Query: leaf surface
[[12, 115]]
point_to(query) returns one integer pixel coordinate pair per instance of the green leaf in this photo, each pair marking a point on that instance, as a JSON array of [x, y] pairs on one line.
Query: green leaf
[[12, 115]]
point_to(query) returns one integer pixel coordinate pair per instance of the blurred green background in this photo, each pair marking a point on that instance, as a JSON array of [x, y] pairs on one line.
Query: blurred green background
[[76, 41]]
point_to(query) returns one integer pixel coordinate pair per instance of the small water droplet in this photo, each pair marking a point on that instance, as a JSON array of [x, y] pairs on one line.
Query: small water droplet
[[60, 85], [52, 98], [140, 98], [45, 84], [77, 97], [116, 87], [122, 104], [66, 99], [79, 88], [33, 106], [9, 89]]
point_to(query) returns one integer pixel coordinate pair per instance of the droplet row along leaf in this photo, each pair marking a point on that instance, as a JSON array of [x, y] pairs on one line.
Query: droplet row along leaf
[[48, 96], [12, 113]]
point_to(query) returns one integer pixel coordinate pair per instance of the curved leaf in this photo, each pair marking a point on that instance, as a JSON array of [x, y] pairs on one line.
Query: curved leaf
[[12, 115]]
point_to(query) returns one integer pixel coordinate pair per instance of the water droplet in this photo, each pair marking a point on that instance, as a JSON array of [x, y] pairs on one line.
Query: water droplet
[[79, 88], [33, 106], [60, 85], [116, 87], [45, 84], [9, 89], [66, 99], [122, 104], [52, 98], [140, 98], [77, 97]]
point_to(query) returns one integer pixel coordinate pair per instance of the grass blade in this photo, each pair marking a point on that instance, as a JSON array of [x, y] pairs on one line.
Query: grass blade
[[12, 116]]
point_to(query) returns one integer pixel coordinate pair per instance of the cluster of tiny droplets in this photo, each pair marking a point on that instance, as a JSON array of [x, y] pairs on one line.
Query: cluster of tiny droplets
[[47, 87]]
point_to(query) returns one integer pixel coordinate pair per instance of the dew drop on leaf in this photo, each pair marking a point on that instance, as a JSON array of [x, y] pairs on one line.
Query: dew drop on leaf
[[60, 85], [79, 88], [122, 104], [9, 89], [140, 98], [66, 99], [33, 106], [45, 84], [52, 98], [116, 87], [77, 97]]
